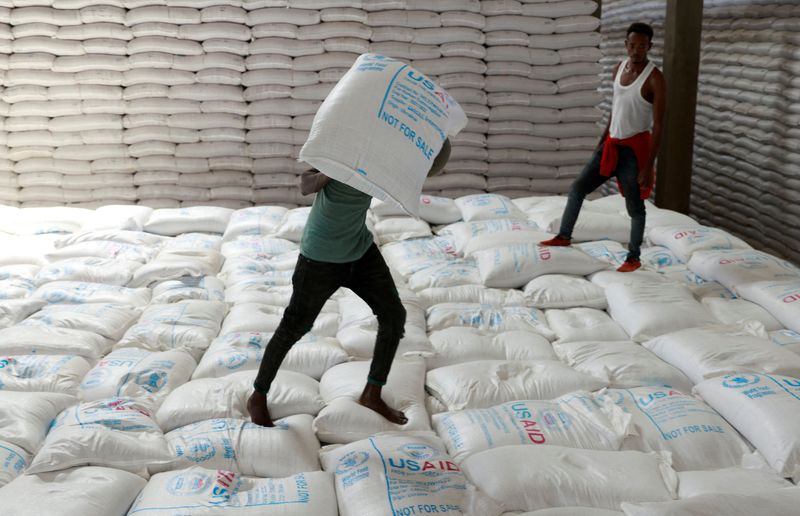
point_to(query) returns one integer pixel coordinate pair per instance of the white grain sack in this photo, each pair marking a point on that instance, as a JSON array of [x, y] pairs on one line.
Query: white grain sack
[[737, 267], [684, 241], [247, 317], [14, 461], [646, 310], [457, 345], [728, 480], [486, 383], [625, 364], [115, 432], [52, 340], [564, 291], [344, 420], [132, 372], [208, 398], [763, 408], [401, 473], [208, 492], [43, 373], [739, 311], [471, 237], [409, 145], [243, 351], [202, 219], [526, 478], [190, 326], [703, 353], [584, 324], [25, 417], [185, 288], [487, 317], [108, 320], [515, 265], [574, 421], [669, 420], [172, 264], [470, 294], [103, 491], [781, 501], [780, 298], [287, 448]]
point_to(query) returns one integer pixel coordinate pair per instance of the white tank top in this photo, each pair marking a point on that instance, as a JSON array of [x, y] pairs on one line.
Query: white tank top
[[630, 112]]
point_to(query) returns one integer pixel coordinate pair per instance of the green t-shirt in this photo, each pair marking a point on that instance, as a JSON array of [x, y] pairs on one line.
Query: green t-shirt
[[336, 231]]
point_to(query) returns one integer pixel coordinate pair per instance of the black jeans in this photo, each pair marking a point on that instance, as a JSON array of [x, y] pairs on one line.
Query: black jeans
[[627, 173], [313, 283]]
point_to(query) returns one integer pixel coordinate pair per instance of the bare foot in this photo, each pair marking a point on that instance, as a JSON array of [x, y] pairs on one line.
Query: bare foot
[[371, 398], [257, 407]]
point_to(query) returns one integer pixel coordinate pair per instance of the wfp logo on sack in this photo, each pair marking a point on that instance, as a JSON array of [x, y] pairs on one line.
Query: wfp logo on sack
[[351, 461], [419, 451], [187, 484], [741, 380]]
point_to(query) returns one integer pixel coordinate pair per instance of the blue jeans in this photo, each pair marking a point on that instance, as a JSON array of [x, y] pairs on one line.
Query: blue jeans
[[313, 283], [627, 172]]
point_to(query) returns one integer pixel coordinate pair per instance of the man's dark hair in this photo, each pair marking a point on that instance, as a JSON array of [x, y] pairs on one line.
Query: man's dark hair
[[641, 28]]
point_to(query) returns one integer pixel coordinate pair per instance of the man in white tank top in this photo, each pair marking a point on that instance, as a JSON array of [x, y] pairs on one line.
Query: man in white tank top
[[627, 148]]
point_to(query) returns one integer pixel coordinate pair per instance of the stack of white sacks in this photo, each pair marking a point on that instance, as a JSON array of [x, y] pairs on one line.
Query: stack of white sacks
[[207, 102], [535, 380]]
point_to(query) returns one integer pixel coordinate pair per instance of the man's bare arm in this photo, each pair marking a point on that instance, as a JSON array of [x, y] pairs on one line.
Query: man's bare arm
[[659, 86], [313, 182]]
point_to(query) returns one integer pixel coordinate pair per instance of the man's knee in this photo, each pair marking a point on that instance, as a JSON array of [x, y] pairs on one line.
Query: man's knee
[[393, 318]]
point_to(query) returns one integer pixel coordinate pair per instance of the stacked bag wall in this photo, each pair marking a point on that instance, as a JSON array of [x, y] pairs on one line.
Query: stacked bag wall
[[185, 103]]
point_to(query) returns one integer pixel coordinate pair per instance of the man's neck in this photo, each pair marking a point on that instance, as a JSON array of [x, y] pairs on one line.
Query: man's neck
[[637, 67]]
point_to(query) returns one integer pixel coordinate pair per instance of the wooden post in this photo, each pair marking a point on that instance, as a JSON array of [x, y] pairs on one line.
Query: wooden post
[[682, 28]]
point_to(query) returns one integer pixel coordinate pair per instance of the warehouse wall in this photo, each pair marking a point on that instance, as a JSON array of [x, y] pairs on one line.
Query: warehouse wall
[[746, 175], [181, 102]]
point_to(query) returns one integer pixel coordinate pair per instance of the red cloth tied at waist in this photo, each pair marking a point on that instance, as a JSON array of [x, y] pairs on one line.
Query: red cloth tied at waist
[[640, 144]]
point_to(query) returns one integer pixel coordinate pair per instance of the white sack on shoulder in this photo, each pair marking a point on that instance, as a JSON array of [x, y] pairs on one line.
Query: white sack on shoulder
[[365, 106]]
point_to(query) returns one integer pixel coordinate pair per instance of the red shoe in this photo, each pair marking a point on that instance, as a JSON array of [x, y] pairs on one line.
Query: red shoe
[[629, 266], [556, 241]]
